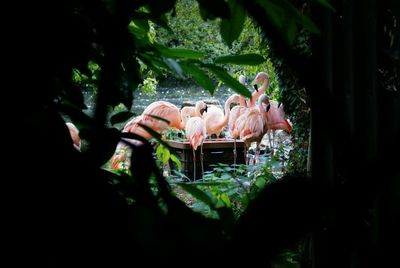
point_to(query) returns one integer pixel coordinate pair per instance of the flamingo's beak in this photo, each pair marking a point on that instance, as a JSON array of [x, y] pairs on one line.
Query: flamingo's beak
[[255, 87], [268, 107]]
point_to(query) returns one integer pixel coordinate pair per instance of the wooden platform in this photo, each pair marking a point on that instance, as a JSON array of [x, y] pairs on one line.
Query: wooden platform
[[214, 150]]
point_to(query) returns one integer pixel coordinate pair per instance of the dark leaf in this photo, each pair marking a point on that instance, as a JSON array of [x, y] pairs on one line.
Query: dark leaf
[[201, 78], [228, 80], [245, 59], [326, 3], [120, 117], [174, 66], [158, 118], [160, 7], [158, 137], [211, 9], [197, 193], [232, 27]]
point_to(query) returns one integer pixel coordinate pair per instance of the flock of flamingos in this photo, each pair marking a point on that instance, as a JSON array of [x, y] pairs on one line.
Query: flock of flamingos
[[248, 121]]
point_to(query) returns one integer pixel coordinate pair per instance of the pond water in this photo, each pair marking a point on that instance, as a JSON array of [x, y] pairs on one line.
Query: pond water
[[178, 93]]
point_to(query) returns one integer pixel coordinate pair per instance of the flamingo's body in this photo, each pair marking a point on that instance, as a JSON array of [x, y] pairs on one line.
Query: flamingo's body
[[162, 109], [276, 120], [214, 118], [253, 125], [251, 122], [196, 133], [165, 110], [74, 132]]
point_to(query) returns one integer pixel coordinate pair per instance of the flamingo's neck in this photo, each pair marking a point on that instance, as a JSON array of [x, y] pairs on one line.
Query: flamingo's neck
[[258, 93], [197, 110], [242, 101]]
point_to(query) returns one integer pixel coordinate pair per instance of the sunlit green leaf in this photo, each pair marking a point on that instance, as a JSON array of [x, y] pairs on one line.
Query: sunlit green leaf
[[180, 53], [226, 199], [245, 59], [176, 161], [165, 156]]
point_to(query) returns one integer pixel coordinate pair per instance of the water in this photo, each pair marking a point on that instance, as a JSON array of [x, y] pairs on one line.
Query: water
[[178, 93]]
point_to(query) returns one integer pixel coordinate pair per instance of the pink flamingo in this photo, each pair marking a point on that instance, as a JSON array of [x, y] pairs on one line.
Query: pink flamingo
[[239, 124], [74, 132], [214, 118], [261, 77], [196, 133], [253, 125], [197, 110], [276, 120], [165, 110], [234, 115], [162, 109]]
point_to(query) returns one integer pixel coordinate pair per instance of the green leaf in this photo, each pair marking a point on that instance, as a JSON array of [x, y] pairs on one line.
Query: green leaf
[[201, 78], [159, 151], [226, 199], [120, 117], [283, 14], [326, 3], [165, 156], [245, 59], [215, 8], [176, 161], [228, 80], [174, 66], [232, 27], [198, 194], [180, 53], [260, 182]]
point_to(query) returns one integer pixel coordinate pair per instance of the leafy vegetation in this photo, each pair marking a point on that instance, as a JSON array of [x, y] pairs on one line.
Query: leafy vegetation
[[117, 220]]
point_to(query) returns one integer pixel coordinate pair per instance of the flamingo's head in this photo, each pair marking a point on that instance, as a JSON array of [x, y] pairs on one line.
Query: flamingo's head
[[261, 77], [201, 106], [242, 79]]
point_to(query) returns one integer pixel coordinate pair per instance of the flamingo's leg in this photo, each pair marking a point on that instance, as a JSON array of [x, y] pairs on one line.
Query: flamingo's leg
[[234, 152], [194, 165], [201, 161]]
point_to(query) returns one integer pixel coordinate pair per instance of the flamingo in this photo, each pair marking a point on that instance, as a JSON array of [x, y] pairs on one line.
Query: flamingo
[[261, 77], [196, 133], [197, 110], [214, 118], [234, 115], [276, 120], [162, 109], [252, 125], [74, 132], [239, 124]]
